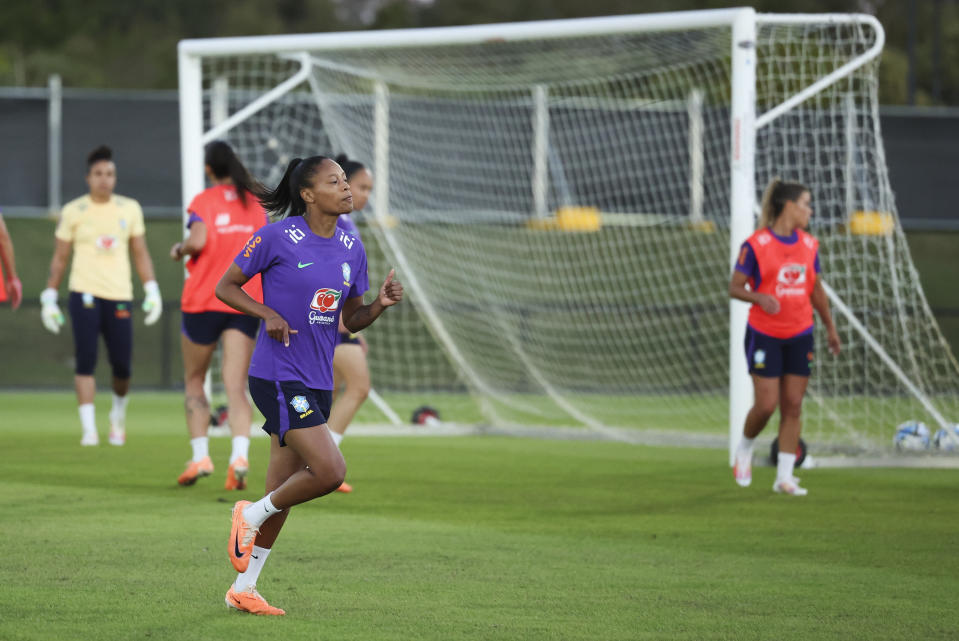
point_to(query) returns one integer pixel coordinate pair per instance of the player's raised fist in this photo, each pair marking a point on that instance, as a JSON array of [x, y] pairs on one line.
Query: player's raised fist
[[391, 292]]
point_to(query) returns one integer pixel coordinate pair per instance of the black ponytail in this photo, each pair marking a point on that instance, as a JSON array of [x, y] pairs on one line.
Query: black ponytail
[[350, 167], [223, 163], [286, 197]]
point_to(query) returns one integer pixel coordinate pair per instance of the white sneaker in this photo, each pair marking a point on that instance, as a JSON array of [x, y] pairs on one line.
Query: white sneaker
[[118, 435], [743, 470], [90, 438], [788, 486]]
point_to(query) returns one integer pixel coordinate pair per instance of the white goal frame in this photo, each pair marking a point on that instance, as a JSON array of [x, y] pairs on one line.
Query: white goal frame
[[744, 123]]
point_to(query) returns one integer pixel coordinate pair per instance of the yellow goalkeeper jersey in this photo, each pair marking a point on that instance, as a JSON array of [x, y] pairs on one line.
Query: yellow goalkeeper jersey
[[100, 233]]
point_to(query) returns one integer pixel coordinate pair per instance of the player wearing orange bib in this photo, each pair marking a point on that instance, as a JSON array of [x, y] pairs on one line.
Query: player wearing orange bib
[[222, 219], [778, 272], [10, 287]]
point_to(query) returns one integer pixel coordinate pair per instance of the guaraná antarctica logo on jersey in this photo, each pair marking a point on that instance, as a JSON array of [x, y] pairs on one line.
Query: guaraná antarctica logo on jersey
[[106, 242], [325, 300], [791, 280]]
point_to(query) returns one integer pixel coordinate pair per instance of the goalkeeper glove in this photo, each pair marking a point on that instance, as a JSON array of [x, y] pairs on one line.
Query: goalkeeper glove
[[152, 303], [50, 312]]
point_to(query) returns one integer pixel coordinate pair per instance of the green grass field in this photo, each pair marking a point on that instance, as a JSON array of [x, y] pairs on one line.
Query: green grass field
[[464, 538]]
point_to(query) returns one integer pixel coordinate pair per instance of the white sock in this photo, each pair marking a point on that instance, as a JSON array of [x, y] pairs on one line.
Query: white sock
[[241, 448], [745, 446], [337, 438], [119, 412], [256, 513], [246, 581], [201, 448], [88, 418], [784, 466]]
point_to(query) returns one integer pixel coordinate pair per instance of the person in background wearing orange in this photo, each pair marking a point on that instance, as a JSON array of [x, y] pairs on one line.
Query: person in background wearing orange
[[780, 265], [10, 287], [222, 219]]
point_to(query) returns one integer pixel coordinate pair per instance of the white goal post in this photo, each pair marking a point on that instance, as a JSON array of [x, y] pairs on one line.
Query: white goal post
[[564, 201]]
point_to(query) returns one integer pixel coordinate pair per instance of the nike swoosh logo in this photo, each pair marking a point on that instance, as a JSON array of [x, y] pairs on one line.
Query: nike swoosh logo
[[236, 548], [253, 556], [302, 265]]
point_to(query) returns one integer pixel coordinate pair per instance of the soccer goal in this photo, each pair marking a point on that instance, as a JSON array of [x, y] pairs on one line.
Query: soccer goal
[[564, 200]]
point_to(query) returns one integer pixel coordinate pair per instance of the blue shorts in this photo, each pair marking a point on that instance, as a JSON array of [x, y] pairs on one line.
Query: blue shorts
[[289, 405], [774, 357], [91, 316], [205, 328]]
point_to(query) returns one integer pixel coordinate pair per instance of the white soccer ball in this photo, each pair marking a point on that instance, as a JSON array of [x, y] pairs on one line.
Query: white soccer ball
[[947, 440], [911, 435]]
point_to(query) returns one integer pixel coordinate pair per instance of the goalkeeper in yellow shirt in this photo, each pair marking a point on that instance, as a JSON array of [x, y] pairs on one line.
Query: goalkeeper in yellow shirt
[[102, 229]]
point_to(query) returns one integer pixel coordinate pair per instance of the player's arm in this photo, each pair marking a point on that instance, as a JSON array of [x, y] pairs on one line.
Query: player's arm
[[230, 291], [152, 301], [58, 264], [9, 264], [50, 312], [193, 244], [820, 303], [357, 316]]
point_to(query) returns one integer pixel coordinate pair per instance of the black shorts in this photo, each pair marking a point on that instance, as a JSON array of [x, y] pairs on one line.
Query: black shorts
[[91, 316], [205, 328], [774, 357], [289, 405], [348, 339]]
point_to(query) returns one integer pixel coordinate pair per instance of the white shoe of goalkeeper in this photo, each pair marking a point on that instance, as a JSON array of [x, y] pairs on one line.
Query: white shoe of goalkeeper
[[743, 469], [118, 434], [789, 486]]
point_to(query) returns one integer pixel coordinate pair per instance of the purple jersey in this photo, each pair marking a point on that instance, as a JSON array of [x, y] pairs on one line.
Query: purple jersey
[[346, 223], [306, 279]]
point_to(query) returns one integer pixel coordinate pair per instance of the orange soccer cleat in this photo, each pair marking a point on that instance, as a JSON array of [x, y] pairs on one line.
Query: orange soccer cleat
[[345, 487], [194, 470], [236, 474], [242, 536], [251, 602]]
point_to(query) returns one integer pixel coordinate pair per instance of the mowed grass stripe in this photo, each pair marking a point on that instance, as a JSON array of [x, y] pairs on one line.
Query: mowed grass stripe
[[466, 538]]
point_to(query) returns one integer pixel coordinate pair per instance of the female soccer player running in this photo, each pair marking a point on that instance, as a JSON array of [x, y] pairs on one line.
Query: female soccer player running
[[350, 369], [102, 229], [780, 263], [221, 219], [312, 274]]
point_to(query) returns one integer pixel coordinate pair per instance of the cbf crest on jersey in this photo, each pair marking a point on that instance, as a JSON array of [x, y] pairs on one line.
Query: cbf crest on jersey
[[346, 273]]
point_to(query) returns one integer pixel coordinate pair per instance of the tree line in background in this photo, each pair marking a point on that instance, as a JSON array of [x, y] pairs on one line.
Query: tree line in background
[[132, 45]]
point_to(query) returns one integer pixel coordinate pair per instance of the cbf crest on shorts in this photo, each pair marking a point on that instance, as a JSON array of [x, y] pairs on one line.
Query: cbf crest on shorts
[[299, 403]]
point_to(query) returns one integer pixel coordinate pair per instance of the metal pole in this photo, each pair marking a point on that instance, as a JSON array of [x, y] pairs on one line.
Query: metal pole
[[54, 143], [742, 202]]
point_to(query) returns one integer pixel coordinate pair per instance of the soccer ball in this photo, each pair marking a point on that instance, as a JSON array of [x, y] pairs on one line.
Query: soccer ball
[[947, 440], [911, 435]]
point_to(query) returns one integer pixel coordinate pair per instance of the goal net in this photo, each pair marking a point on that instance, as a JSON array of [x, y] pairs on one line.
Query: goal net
[[561, 201]]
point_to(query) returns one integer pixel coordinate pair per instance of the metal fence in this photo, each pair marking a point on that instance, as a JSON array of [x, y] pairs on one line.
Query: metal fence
[[48, 132]]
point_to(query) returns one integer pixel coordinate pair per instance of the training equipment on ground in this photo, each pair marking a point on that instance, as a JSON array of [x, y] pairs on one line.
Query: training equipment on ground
[[947, 440], [911, 435], [425, 415], [801, 452], [563, 202]]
